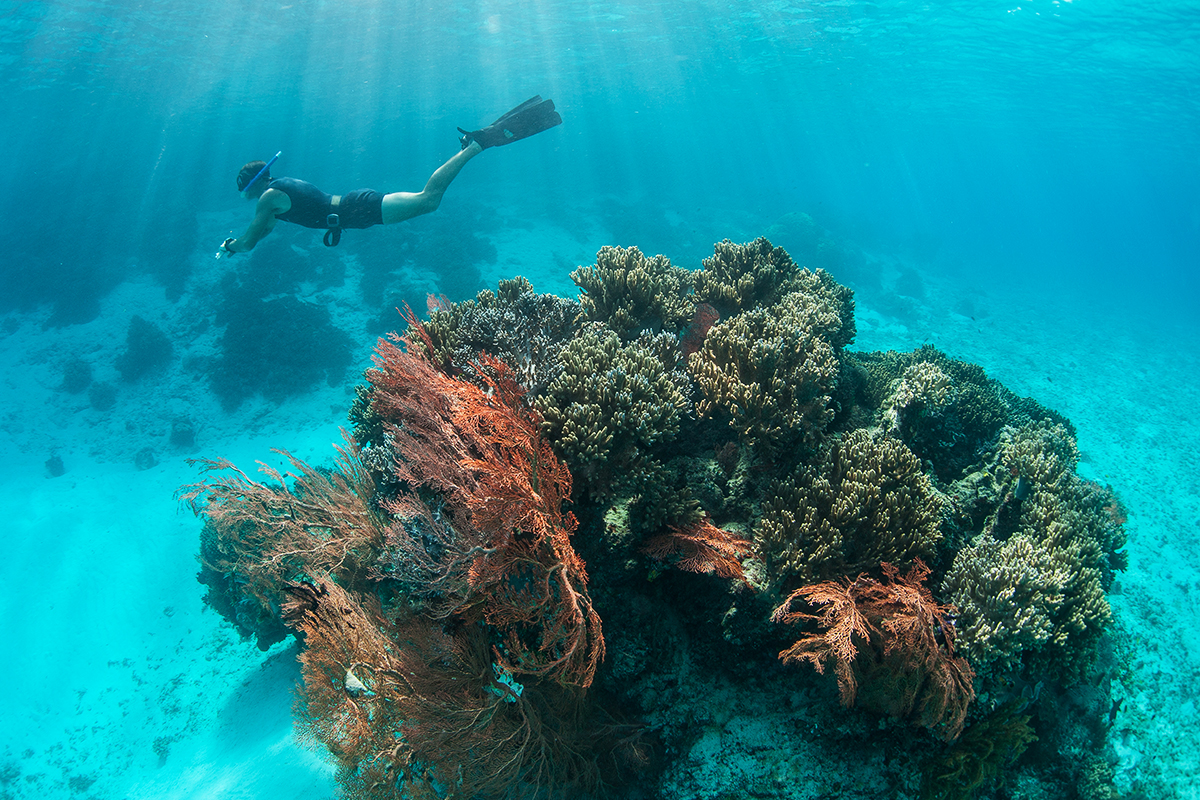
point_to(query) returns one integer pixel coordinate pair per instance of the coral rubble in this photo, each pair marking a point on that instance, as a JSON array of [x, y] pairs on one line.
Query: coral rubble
[[556, 553]]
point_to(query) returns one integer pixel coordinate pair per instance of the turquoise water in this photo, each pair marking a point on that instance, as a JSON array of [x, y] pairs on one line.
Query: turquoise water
[[1018, 184]]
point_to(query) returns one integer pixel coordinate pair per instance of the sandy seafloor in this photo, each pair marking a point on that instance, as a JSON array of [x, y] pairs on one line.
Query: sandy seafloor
[[118, 683]]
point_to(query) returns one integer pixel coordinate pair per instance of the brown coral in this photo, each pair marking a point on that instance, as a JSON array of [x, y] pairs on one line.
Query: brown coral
[[631, 293], [772, 370], [866, 502]]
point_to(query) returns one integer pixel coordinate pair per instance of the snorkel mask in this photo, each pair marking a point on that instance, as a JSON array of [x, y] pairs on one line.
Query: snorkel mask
[[261, 172]]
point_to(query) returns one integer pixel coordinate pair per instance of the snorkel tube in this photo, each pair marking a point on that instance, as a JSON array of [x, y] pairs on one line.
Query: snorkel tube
[[260, 174]]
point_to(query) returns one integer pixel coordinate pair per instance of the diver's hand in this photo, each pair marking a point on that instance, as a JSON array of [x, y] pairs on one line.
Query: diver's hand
[[223, 251]]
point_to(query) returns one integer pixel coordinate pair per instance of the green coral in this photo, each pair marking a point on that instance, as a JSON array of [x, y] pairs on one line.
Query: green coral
[[1032, 588], [865, 503], [631, 293], [525, 329], [1044, 454], [923, 391], [1010, 596], [742, 277], [612, 403], [945, 410], [661, 495], [738, 277], [773, 370]]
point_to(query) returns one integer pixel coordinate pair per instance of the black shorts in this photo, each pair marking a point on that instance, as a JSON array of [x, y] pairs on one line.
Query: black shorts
[[361, 208]]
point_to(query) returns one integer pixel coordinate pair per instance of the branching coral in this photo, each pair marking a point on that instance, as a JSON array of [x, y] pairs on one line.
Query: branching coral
[[867, 501], [631, 293], [1043, 454], [1060, 506], [924, 391], [613, 403], [1039, 594], [738, 277], [524, 329], [772, 370], [741, 277], [944, 410], [1009, 596], [907, 668]]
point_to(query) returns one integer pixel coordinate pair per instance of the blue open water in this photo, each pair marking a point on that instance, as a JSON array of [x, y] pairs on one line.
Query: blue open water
[[1036, 166]]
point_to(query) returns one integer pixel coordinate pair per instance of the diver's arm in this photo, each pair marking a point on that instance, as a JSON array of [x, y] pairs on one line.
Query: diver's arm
[[271, 203]]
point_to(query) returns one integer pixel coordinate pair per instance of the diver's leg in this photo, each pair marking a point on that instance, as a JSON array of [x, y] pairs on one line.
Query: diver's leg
[[399, 206]]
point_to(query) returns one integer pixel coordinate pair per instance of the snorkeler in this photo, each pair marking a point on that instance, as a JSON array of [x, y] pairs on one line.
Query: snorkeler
[[300, 202]]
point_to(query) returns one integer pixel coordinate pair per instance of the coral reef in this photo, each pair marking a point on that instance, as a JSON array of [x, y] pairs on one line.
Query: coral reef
[[773, 371], [524, 329], [147, 349], [944, 410], [277, 348], [865, 502], [553, 555], [612, 403], [630, 293], [1033, 584]]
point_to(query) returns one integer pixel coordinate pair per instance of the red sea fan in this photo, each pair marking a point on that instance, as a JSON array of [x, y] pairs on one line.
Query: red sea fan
[[482, 451], [701, 547], [884, 640]]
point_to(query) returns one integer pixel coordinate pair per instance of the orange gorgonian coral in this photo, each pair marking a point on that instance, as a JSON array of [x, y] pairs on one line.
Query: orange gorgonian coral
[[892, 645]]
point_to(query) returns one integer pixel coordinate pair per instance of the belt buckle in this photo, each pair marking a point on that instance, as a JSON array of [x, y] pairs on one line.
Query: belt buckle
[[332, 221]]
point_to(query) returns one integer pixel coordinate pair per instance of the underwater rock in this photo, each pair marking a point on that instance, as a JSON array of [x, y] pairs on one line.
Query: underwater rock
[[102, 396], [147, 349], [54, 466], [183, 434], [145, 459], [76, 377]]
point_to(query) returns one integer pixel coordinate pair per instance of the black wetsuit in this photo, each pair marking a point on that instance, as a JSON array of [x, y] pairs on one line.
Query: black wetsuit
[[312, 208]]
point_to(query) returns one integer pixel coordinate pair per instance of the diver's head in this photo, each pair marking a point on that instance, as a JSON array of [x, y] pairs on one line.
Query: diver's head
[[253, 178]]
